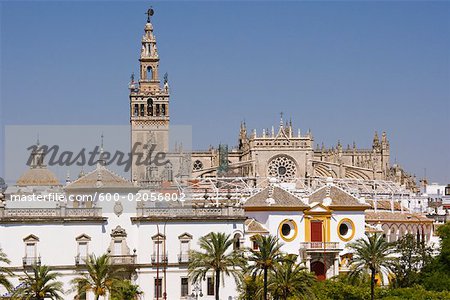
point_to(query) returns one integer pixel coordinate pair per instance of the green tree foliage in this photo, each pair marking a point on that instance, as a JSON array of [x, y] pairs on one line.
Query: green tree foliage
[[250, 286], [99, 279], [216, 257], [415, 293], [371, 255], [265, 258], [125, 290], [290, 280], [413, 256], [39, 284], [436, 275], [4, 271]]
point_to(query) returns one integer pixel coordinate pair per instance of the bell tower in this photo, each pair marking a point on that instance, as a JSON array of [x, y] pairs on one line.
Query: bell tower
[[149, 106]]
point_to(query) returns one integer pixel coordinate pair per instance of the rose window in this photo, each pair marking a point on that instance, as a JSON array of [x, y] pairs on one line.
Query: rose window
[[198, 165], [283, 168]]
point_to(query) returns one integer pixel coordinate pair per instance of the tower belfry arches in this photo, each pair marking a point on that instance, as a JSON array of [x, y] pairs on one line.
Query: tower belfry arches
[[149, 104]]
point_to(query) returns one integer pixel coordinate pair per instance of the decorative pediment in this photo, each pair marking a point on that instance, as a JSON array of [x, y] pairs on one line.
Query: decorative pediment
[[318, 208], [31, 238], [83, 238], [158, 237], [185, 236], [118, 232]]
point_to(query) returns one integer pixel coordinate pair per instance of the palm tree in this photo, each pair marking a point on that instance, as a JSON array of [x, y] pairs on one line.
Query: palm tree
[[40, 284], [5, 271], [100, 277], [289, 279], [217, 257], [371, 255], [250, 287], [125, 290], [265, 257]]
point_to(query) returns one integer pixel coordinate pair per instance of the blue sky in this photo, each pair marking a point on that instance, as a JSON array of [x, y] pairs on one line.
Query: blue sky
[[343, 69]]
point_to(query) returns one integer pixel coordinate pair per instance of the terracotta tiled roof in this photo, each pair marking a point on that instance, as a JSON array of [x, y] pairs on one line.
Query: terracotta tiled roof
[[253, 226], [38, 177], [372, 216], [338, 197], [277, 198], [101, 177], [385, 204], [372, 229]]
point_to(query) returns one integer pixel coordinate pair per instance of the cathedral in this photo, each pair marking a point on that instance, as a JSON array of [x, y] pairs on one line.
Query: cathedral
[[281, 152]]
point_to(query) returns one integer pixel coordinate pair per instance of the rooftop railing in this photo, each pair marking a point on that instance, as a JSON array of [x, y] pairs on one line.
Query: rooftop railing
[[191, 212], [49, 212]]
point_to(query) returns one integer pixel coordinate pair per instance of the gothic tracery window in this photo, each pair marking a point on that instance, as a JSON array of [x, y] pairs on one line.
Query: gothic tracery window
[[198, 165], [282, 167]]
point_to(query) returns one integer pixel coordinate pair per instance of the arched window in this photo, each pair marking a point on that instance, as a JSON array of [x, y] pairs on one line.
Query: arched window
[[169, 171], [393, 237], [163, 109], [237, 241], [149, 107], [149, 73]]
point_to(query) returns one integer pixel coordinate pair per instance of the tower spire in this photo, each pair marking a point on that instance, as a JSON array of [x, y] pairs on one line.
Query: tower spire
[[149, 79]]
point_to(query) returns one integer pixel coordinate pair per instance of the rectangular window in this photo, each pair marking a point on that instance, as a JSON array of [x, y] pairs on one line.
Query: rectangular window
[[255, 245], [184, 287], [210, 287], [30, 250], [184, 247], [158, 288], [117, 248], [447, 191], [158, 254], [82, 250]]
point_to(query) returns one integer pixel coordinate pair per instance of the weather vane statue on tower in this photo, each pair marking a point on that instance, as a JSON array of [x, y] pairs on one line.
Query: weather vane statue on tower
[[149, 13]]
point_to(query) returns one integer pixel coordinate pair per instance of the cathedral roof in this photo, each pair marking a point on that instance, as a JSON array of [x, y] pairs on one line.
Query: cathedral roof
[[253, 226], [387, 216], [339, 198], [101, 177], [385, 205], [274, 198], [40, 176]]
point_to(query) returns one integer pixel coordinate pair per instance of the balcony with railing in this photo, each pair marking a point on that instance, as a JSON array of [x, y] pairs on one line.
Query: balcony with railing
[[184, 258], [80, 260], [31, 261], [129, 259], [159, 259], [320, 246]]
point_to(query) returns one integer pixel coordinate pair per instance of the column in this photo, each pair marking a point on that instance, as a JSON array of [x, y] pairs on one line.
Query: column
[[336, 265], [308, 262]]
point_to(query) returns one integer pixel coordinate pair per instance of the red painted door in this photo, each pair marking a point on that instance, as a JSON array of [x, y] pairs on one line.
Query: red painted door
[[316, 231], [318, 268]]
